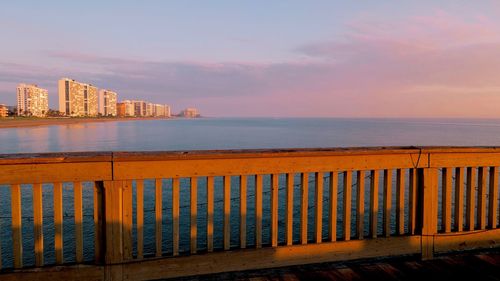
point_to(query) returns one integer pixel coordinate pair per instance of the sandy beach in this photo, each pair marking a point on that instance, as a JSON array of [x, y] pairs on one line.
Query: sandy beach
[[27, 122]]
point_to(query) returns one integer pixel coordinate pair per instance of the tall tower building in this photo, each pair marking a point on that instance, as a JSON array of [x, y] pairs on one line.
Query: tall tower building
[[76, 98], [107, 103], [32, 100]]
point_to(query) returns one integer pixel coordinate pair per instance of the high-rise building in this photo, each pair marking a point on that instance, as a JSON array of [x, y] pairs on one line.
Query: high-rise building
[[32, 100], [4, 110], [76, 98], [190, 112], [125, 108], [139, 108], [107, 102], [167, 110]]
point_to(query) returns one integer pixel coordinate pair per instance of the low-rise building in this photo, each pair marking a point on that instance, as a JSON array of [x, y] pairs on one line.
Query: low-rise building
[[190, 112], [4, 110], [125, 108]]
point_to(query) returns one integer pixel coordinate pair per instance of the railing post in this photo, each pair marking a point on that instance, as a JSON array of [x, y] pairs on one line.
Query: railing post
[[427, 211], [113, 229]]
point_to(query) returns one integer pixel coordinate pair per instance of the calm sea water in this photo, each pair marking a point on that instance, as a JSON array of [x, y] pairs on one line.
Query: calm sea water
[[228, 133], [208, 133]]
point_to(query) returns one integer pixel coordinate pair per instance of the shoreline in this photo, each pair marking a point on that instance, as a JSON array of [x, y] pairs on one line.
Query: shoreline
[[6, 123]]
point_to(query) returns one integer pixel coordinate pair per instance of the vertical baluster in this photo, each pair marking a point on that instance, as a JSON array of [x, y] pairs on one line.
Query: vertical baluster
[[243, 211], [140, 218], [400, 201], [58, 222], [446, 200], [17, 236], [387, 202], [481, 198], [412, 202], [493, 201], [258, 211], [210, 214], [274, 210], [347, 205], [289, 209], [373, 203], [175, 215], [332, 223], [318, 207], [99, 231], [113, 211], [304, 207], [194, 214], [459, 195], [469, 211], [77, 189], [158, 217], [360, 200], [227, 212], [127, 219], [38, 223]]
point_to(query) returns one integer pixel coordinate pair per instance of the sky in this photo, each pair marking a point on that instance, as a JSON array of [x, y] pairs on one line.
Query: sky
[[264, 58]]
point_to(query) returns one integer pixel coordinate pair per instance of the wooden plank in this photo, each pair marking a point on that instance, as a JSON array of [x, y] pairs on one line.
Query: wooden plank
[[459, 199], [243, 212], [374, 181], [470, 198], [400, 201], [318, 213], [261, 165], [17, 234], [469, 240], [473, 159], [140, 218], [386, 230], [429, 187], [332, 222], [360, 201], [158, 217], [77, 189], [446, 200], [55, 273], [113, 216], [258, 211], [210, 214], [58, 223], [412, 202], [59, 172], [274, 210], [99, 223], [271, 257], [38, 223], [227, 213], [194, 214], [347, 205], [481, 198], [493, 198], [303, 207], [289, 209], [127, 219], [175, 215]]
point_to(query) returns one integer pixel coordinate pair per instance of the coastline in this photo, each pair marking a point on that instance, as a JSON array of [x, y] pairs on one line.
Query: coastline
[[22, 122]]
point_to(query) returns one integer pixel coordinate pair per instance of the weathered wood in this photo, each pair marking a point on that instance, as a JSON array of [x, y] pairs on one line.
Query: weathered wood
[[243, 212], [175, 215], [274, 210], [99, 223], [470, 198], [400, 201], [412, 202], [374, 181], [158, 217], [194, 214], [17, 234], [38, 223], [386, 230], [468, 240], [429, 190], [446, 200], [493, 198], [360, 201], [56, 273], [227, 213], [77, 193], [459, 199], [332, 210], [210, 214], [113, 215], [318, 210], [140, 218], [58, 223], [127, 219], [258, 211], [289, 209], [347, 206], [481, 198], [303, 207]]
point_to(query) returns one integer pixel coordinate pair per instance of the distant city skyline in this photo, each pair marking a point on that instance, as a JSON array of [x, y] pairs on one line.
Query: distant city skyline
[[263, 58]]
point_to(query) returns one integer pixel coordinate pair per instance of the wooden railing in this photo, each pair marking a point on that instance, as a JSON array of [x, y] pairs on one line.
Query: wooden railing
[[151, 215]]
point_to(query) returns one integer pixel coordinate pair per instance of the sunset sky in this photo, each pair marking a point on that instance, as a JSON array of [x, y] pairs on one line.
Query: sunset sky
[[264, 58]]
